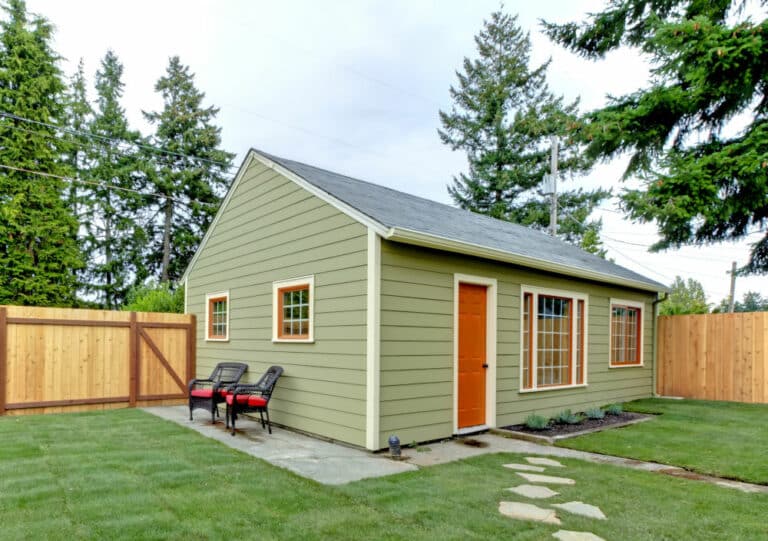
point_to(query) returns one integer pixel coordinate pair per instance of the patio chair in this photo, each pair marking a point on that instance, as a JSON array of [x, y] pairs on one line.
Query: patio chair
[[208, 393], [249, 398]]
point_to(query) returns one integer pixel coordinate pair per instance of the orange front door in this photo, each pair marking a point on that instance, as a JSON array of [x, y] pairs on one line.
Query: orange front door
[[472, 360]]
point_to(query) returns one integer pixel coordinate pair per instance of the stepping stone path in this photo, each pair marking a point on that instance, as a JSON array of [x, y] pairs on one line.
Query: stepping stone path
[[546, 479], [524, 467], [581, 508], [568, 535], [540, 461], [527, 511], [533, 491]]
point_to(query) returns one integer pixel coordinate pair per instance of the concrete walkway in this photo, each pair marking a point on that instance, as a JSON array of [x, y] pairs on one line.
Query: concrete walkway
[[325, 462], [335, 464]]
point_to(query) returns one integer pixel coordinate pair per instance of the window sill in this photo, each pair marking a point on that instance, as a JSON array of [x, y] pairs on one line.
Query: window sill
[[552, 388], [293, 341], [632, 365], [217, 339]]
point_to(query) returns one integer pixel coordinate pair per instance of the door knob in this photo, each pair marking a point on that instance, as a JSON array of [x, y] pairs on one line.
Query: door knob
[[485, 365]]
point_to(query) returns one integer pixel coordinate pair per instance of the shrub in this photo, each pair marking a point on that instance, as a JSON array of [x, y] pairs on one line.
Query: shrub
[[565, 417], [614, 409], [537, 422], [154, 297], [594, 413]]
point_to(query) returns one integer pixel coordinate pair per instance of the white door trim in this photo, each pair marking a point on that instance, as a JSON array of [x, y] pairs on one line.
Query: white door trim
[[490, 347]]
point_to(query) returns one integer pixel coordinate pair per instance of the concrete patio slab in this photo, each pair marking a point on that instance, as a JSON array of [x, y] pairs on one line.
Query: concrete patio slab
[[325, 462]]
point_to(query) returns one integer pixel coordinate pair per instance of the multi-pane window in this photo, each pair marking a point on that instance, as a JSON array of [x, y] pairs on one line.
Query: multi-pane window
[[552, 340], [626, 333], [217, 316], [293, 310]]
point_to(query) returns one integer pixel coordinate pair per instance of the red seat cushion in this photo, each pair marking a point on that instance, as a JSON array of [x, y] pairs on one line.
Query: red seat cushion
[[257, 401], [223, 392], [241, 399], [202, 393]]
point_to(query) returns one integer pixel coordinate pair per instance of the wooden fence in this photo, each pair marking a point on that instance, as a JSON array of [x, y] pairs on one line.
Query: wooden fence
[[57, 359], [714, 356]]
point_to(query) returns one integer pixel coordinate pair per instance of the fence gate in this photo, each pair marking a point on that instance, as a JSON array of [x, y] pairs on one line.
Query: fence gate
[[55, 359]]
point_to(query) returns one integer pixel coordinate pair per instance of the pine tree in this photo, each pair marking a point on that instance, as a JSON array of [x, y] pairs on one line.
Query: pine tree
[[113, 231], [705, 176], [503, 117], [78, 114], [191, 174], [39, 253]]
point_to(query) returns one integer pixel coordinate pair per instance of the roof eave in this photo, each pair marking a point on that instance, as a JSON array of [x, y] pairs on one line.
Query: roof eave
[[417, 238]]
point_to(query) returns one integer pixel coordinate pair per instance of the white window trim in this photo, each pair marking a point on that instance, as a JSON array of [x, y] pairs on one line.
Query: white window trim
[[536, 291], [276, 316], [208, 298], [641, 338], [491, 319]]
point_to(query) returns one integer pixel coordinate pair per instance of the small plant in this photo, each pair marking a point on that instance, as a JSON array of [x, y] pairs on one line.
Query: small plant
[[595, 413], [537, 422], [614, 409], [565, 417]]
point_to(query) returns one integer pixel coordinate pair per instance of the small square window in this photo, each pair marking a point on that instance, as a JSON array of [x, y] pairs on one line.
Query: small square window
[[293, 310]]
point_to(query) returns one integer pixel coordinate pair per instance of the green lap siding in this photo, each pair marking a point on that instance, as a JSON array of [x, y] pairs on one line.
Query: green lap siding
[[417, 343], [273, 230]]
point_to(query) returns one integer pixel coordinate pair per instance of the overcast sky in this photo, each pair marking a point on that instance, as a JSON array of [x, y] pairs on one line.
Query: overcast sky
[[356, 87]]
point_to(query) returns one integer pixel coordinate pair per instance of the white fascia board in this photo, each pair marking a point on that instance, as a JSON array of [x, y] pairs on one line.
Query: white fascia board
[[339, 205], [409, 236], [240, 172]]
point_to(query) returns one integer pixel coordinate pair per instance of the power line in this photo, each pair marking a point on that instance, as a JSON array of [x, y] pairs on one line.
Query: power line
[[107, 186], [114, 140]]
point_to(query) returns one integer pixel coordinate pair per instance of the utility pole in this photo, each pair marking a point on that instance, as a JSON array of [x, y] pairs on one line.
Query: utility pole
[[731, 299], [553, 210]]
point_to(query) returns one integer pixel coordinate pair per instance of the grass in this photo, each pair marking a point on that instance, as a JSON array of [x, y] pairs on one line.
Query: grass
[[725, 439], [128, 475]]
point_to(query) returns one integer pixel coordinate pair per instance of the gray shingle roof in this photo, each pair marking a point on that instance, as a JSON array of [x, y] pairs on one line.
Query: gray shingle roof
[[392, 208]]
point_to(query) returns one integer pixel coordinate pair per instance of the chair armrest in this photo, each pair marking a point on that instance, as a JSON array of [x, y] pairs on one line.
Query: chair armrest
[[196, 381]]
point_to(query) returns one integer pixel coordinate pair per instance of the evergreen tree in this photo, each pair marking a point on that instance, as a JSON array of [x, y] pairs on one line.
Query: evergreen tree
[[191, 174], [752, 301], [503, 117], [78, 114], [705, 180], [114, 236], [684, 298], [39, 253]]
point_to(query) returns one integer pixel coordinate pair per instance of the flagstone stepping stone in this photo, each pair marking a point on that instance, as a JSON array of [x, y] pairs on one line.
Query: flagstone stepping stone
[[533, 491], [527, 511], [581, 508], [568, 535], [546, 479], [524, 467], [540, 461]]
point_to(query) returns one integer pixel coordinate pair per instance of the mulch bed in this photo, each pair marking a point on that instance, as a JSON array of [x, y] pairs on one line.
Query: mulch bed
[[562, 429]]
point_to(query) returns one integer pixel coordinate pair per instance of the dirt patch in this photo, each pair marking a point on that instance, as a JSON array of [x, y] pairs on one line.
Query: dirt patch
[[556, 429], [471, 442]]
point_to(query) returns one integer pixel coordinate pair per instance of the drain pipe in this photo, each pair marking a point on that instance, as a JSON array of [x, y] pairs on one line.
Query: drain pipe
[[655, 311]]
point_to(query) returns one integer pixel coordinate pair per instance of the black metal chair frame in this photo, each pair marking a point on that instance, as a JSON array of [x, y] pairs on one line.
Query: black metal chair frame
[[262, 388], [224, 376]]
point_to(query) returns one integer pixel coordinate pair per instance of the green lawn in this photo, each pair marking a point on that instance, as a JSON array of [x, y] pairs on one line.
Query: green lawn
[[125, 474], [725, 439]]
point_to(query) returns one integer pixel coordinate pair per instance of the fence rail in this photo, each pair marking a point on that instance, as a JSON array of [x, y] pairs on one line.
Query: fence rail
[[714, 356], [59, 359]]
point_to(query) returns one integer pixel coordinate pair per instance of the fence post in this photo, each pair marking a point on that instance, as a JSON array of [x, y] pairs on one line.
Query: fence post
[[3, 355], [191, 347], [133, 361]]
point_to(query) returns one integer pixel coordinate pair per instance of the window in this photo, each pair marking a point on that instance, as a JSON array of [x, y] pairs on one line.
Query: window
[[217, 316], [626, 333], [553, 338], [293, 318]]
